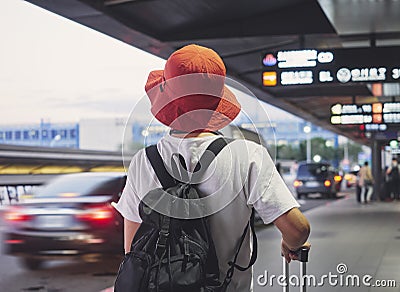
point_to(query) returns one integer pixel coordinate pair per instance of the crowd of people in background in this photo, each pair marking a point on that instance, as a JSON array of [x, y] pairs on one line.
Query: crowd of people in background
[[390, 190]]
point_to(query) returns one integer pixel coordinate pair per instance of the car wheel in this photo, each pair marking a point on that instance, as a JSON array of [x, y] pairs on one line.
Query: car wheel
[[32, 263]]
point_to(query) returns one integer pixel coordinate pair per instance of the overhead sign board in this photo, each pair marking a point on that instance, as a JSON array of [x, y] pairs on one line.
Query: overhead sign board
[[331, 66], [366, 114]]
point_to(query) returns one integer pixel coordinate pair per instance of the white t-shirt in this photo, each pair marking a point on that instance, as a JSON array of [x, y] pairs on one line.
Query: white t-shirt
[[242, 175]]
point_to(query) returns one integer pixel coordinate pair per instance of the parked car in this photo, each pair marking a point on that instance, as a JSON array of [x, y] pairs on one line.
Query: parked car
[[70, 216], [317, 178]]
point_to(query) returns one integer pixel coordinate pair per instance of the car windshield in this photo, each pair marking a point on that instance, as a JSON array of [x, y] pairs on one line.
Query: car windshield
[[315, 170], [80, 186]]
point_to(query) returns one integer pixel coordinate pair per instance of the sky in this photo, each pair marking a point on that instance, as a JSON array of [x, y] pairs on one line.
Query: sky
[[54, 69]]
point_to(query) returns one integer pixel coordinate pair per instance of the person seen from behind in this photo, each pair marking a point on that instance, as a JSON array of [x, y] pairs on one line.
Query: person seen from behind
[[393, 174], [189, 96], [358, 186], [366, 183]]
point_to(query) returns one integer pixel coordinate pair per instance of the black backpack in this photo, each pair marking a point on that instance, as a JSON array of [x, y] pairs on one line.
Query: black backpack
[[173, 254]]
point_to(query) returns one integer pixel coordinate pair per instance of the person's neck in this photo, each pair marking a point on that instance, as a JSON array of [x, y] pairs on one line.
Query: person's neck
[[192, 135]]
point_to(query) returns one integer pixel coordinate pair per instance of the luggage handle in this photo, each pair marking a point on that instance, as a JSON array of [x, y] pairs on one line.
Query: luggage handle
[[302, 255]]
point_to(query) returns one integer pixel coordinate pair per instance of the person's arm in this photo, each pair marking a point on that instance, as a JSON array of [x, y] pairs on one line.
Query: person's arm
[[130, 229], [295, 230]]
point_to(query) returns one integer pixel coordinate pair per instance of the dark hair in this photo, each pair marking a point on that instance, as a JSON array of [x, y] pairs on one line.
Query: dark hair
[[366, 163]]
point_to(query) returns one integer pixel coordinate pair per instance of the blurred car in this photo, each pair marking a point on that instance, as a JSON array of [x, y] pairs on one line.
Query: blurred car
[[351, 178], [70, 216], [317, 178]]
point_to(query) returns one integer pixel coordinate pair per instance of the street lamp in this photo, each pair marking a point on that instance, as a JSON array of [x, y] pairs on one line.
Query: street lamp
[[307, 130], [317, 158]]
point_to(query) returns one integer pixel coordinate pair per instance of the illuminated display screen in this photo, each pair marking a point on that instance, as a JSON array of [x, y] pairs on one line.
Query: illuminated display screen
[[331, 66], [375, 116]]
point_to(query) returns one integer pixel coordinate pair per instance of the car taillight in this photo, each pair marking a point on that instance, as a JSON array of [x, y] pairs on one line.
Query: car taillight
[[337, 178], [14, 241], [16, 215], [297, 183], [327, 183], [100, 215]]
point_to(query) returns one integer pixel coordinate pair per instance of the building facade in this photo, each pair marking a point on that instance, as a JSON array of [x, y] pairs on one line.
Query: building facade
[[44, 134]]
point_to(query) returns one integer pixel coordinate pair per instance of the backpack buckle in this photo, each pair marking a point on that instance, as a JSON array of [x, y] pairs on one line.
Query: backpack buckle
[[161, 241]]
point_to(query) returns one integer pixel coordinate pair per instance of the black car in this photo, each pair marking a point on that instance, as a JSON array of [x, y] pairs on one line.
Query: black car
[[317, 178], [70, 216]]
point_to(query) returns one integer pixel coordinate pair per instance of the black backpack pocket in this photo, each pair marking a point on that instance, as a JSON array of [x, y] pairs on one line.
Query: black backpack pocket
[[178, 273], [133, 273]]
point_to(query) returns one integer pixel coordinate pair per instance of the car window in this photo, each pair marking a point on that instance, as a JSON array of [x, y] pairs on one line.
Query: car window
[[110, 187], [315, 170], [81, 185]]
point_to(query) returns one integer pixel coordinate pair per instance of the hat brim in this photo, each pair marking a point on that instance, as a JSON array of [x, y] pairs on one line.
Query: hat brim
[[191, 110]]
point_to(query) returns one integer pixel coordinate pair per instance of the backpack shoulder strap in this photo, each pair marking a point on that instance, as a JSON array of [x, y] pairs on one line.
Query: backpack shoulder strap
[[233, 265], [162, 173], [211, 152], [157, 163]]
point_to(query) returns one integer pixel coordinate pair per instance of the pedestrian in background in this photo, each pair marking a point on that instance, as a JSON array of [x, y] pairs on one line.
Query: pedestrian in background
[[366, 183], [393, 174], [386, 186], [358, 186], [294, 168]]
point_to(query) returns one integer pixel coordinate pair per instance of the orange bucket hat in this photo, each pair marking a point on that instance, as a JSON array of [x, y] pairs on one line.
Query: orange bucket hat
[[190, 94]]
